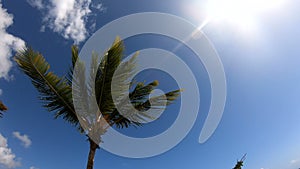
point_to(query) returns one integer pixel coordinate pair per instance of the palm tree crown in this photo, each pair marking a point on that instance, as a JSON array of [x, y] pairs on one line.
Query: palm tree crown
[[56, 92]]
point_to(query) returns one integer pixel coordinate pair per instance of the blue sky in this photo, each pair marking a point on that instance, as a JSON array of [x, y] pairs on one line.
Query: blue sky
[[262, 67]]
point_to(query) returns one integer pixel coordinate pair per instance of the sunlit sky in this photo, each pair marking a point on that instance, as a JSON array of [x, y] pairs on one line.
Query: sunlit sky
[[258, 44]]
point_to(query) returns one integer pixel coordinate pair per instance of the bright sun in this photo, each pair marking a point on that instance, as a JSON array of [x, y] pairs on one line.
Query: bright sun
[[244, 13]]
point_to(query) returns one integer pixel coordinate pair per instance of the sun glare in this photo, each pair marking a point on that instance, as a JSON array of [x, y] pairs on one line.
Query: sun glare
[[244, 13]]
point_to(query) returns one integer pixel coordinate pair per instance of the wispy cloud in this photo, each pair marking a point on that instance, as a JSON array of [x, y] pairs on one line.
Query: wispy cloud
[[1, 92], [32, 167], [23, 138], [7, 157], [8, 43], [294, 161], [36, 4], [68, 18]]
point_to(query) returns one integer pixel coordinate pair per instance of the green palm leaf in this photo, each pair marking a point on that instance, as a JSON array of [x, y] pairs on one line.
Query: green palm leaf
[[140, 100], [54, 91], [108, 65], [69, 76]]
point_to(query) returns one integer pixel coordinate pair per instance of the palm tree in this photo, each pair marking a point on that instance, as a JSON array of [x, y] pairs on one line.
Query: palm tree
[[2, 108], [56, 92], [240, 163]]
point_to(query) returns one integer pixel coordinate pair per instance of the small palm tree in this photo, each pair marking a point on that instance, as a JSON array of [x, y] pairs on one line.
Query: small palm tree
[[3, 108], [56, 92], [240, 163]]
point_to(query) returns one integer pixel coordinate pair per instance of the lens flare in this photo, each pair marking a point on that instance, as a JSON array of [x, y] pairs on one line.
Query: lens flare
[[241, 12]]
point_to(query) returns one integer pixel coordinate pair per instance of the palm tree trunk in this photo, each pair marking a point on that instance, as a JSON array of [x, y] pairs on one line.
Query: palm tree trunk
[[93, 148]]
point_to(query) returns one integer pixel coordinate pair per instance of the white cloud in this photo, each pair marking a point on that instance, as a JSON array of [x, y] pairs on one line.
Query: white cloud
[[294, 161], [36, 3], [8, 43], [1, 92], [7, 157], [69, 18], [23, 138], [99, 7], [32, 167]]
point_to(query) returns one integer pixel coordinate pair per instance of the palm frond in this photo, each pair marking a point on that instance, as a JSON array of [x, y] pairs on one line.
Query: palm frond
[[158, 102], [3, 108], [141, 92], [84, 94], [108, 65], [122, 79], [80, 92], [140, 100], [120, 121], [54, 91], [74, 51], [93, 106]]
